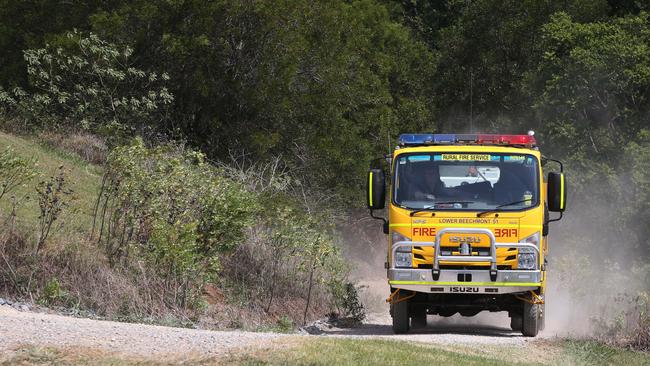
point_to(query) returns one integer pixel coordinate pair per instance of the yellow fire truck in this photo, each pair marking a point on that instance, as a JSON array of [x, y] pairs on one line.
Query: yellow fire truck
[[468, 219]]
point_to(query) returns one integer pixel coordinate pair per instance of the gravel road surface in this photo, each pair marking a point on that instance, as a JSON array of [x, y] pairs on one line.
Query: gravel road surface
[[25, 328], [18, 329]]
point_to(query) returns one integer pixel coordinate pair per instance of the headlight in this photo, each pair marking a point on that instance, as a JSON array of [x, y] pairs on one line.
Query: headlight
[[526, 257], [403, 259], [403, 255]]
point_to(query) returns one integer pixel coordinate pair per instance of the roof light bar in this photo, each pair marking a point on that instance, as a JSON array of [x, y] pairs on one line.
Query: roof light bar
[[415, 139]]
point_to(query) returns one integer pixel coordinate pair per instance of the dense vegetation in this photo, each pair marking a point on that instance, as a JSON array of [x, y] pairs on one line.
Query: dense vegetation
[[317, 89]]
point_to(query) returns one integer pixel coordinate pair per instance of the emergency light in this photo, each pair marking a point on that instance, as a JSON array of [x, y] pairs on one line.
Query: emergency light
[[415, 139]]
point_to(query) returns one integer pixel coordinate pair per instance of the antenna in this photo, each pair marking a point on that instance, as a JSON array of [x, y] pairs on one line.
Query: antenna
[[471, 100], [388, 140]]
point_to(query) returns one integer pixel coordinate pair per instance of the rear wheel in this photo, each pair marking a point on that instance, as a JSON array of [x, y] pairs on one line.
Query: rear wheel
[[419, 317], [531, 319], [516, 323], [400, 313]]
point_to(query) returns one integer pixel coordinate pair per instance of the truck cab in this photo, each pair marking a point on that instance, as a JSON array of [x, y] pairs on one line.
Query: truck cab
[[467, 224]]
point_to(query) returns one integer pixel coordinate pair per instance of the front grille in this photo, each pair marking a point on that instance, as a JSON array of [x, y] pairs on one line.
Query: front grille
[[423, 257], [469, 268], [481, 251]]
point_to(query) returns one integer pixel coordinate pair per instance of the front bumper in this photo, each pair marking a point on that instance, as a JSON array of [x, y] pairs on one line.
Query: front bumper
[[468, 281], [421, 280]]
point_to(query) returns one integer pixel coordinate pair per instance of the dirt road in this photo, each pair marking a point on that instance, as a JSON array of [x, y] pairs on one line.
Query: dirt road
[[20, 329], [483, 330]]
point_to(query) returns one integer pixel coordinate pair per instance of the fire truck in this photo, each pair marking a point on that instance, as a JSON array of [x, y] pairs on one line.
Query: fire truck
[[467, 223]]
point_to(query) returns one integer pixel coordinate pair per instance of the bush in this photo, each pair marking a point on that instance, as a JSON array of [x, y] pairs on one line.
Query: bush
[[14, 171], [89, 84], [349, 303], [168, 207], [51, 195], [291, 263]]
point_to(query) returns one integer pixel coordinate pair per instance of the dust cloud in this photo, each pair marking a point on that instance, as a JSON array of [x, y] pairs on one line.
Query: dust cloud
[[593, 280]]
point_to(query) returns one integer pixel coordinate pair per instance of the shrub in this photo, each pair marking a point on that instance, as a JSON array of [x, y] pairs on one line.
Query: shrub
[[51, 292], [166, 205], [51, 195], [14, 171], [349, 303]]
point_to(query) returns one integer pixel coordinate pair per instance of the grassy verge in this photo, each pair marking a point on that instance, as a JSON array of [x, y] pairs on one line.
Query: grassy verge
[[332, 351], [83, 178], [328, 351]]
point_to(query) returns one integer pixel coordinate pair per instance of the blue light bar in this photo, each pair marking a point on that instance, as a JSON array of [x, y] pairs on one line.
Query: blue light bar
[[416, 139], [426, 139], [448, 138]]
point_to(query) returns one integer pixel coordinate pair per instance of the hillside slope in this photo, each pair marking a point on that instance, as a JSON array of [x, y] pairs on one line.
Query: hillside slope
[[82, 178]]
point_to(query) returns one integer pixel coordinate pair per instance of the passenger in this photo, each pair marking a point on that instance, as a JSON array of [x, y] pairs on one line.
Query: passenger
[[509, 188], [430, 187]]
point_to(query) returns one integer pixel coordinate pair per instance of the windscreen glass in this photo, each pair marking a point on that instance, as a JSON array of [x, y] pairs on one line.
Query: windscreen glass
[[465, 181]]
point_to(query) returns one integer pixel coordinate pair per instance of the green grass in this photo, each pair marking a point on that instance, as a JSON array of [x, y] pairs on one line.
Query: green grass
[[333, 351], [338, 351], [83, 178], [594, 353], [329, 351]]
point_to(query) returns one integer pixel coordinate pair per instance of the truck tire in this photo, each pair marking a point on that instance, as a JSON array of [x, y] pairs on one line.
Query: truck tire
[[419, 317], [516, 323], [542, 323], [400, 312], [531, 319]]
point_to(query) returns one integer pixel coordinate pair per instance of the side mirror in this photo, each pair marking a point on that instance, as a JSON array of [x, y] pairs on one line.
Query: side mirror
[[556, 193], [376, 190]]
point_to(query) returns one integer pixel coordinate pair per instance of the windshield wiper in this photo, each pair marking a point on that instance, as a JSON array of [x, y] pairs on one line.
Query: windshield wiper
[[500, 206], [432, 208]]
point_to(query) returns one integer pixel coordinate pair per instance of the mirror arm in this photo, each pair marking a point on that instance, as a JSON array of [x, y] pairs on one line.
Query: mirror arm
[[556, 161], [553, 220], [381, 163], [385, 225]]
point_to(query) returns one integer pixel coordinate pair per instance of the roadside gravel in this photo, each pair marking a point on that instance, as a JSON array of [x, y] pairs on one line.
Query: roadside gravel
[[19, 329]]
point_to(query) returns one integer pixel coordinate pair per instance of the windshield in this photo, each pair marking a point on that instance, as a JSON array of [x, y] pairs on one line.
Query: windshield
[[466, 181]]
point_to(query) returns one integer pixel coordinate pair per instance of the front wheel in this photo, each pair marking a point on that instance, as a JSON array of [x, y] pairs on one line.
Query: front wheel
[[400, 313], [532, 319], [542, 323]]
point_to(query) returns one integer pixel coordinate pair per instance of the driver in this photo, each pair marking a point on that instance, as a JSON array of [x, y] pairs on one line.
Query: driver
[[430, 186]]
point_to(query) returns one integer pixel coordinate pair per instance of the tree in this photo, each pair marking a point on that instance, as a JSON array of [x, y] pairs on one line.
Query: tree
[[91, 84], [591, 96]]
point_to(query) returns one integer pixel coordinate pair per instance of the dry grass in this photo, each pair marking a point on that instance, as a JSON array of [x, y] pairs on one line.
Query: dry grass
[[30, 355], [253, 269], [87, 146]]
